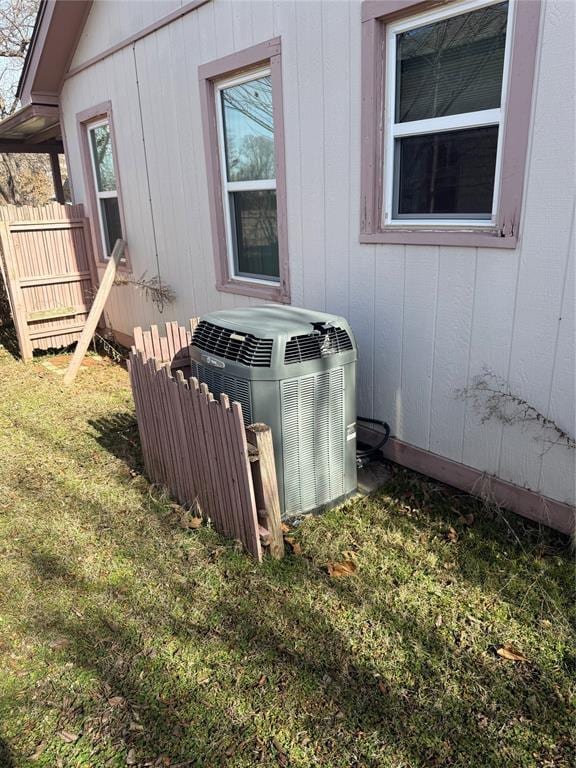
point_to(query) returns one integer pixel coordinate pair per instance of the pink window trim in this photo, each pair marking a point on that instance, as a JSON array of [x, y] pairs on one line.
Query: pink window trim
[[83, 119], [375, 15], [264, 53]]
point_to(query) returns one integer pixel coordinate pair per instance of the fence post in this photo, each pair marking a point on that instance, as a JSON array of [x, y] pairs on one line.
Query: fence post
[[266, 485], [14, 291]]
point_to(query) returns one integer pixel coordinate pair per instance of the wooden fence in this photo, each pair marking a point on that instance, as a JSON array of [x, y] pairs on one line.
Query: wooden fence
[[172, 348], [47, 266], [199, 449]]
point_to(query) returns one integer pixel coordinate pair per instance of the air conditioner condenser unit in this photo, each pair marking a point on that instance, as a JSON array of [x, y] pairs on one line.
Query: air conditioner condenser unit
[[294, 370]]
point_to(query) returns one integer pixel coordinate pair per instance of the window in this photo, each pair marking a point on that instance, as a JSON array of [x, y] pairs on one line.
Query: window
[[102, 180], [244, 153], [246, 134], [451, 131], [445, 96], [105, 184]]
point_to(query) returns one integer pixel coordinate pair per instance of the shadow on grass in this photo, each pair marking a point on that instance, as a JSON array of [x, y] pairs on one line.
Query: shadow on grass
[[183, 654], [6, 760], [8, 338], [341, 702], [118, 434]]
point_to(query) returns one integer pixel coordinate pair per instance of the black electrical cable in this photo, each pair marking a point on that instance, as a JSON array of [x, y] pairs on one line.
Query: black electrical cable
[[364, 455]]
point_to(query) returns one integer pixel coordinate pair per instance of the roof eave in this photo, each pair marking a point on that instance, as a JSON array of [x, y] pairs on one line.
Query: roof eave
[[57, 30]]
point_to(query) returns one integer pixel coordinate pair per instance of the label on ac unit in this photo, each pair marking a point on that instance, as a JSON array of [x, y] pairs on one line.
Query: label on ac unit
[[351, 432], [209, 360]]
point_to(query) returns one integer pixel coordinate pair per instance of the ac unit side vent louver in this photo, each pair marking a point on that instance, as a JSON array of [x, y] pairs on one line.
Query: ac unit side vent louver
[[218, 383], [322, 342], [312, 413], [233, 345]]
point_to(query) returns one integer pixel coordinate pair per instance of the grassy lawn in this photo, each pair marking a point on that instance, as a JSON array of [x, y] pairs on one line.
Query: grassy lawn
[[127, 638]]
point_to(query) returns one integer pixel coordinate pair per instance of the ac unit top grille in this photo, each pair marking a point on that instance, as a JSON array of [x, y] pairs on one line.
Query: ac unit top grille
[[322, 342], [233, 345]]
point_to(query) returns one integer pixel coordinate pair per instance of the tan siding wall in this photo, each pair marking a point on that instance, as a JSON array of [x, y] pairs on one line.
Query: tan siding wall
[[427, 319], [112, 21]]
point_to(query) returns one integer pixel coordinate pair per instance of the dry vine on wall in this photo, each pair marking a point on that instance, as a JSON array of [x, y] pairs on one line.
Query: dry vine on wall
[[494, 399], [154, 290]]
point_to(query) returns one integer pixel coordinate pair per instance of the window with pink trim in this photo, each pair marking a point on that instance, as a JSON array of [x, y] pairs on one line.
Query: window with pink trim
[[102, 180], [446, 106], [243, 137], [105, 186]]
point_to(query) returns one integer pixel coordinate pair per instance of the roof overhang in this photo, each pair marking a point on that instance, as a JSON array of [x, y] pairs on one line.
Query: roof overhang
[[34, 128], [58, 27]]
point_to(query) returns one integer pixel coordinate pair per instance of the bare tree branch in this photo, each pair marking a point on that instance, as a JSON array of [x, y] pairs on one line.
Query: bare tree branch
[[24, 179]]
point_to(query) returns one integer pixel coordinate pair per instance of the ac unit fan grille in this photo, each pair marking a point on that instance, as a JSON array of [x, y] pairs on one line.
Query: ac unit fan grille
[[313, 439], [233, 345], [322, 342], [217, 383]]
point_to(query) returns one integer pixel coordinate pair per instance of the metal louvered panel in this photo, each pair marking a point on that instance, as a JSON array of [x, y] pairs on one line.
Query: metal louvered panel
[[217, 383], [233, 345], [290, 400], [337, 433], [313, 439], [322, 342]]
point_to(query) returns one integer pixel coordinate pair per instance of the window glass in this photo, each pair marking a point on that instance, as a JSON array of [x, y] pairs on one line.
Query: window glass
[[446, 173], [256, 237], [451, 66], [101, 142], [249, 130], [110, 211]]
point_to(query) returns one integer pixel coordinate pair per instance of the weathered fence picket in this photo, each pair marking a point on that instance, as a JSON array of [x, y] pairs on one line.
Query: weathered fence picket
[[47, 265], [198, 447]]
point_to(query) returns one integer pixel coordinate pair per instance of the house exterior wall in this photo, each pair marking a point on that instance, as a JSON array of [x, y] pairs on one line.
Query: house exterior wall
[[112, 22], [427, 318]]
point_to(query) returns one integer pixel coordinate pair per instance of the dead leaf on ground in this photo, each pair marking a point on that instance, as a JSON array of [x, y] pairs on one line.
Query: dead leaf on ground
[[116, 701], [348, 554], [262, 681], [510, 653], [131, 757], [452, 535], [466, 519], [68, 736], [187, 521], [38, 751], [345, 568], [439, 620], [281, 756], [59, 643], [296, 547], [285, 528]]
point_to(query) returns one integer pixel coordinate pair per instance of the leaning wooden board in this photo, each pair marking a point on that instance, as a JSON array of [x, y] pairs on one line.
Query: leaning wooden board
[[95, 311]]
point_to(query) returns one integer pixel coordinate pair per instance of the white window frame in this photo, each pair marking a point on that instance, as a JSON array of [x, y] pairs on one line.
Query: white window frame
[[238, 186], [480, 118], [101, 195]]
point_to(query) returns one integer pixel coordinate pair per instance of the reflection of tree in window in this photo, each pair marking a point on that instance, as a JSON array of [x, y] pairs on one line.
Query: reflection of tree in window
[[451, 66], [102, 148], [256, 233], [249, 130]]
